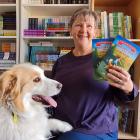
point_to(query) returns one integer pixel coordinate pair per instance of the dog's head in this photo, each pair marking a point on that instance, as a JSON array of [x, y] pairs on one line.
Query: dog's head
[[26, 84]]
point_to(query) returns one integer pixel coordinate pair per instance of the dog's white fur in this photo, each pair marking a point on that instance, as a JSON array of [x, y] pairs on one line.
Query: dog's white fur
[[17, 86]]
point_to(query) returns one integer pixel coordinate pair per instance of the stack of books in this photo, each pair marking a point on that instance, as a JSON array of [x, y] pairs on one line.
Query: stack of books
[[7, 54], [8, 24], [43, 54]]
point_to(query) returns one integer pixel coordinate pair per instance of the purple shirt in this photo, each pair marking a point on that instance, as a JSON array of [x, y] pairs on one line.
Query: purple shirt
[[88, 105]]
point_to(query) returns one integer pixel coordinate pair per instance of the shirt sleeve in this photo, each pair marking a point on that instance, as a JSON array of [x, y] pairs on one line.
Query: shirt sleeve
[[123, 97]]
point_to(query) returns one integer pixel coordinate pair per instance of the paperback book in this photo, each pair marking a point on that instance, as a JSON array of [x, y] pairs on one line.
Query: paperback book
[[122, 53], [100, 48]]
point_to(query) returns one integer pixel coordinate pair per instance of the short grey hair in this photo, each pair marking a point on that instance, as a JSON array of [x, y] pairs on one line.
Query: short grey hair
[[83, 12]]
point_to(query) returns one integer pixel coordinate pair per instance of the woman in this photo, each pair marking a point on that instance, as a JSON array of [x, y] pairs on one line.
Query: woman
[[88, 105]]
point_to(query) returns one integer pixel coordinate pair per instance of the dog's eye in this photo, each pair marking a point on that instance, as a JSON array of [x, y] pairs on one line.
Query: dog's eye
[[37, 79]]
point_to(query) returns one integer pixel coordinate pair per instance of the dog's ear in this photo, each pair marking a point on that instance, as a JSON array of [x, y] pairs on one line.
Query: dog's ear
[[10, 90]]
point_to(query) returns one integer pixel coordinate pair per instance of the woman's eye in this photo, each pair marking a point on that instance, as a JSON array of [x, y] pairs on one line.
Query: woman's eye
[[37, 79], [89, 26], [78, 25]]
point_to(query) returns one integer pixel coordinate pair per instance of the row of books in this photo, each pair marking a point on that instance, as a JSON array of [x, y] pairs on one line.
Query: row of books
[[58, 1], [45, 54], [7, 1], [112, 24], [7, 53], [7, 59], [49, 23], [7, 46], [8, 24], [51, 26]]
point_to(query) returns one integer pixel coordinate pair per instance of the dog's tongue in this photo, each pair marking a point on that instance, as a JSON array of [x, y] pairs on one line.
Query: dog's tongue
[[45, 100], [50, 100]]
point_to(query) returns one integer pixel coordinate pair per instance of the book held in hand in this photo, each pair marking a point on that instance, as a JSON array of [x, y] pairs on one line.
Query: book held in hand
[[122, 53]]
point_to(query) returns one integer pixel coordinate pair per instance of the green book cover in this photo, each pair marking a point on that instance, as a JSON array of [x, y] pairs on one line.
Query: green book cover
[[100, 48]]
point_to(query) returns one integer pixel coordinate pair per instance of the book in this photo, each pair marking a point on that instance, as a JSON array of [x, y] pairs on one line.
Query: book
[[121, 53], [100, 48]]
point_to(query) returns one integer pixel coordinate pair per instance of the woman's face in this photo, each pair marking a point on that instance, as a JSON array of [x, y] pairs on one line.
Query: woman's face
[[83, 30]]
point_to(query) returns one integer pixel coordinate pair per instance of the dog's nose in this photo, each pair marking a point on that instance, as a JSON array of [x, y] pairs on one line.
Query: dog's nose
[[59, 85]]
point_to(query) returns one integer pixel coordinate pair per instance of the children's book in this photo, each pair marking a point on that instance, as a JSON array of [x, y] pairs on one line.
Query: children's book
[[100, 48], [121, 53]]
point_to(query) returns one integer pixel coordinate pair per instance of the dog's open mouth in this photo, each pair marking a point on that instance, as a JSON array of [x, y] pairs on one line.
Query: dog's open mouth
[[46, 100]]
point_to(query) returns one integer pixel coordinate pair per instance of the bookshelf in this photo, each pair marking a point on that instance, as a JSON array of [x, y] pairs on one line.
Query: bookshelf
[[32, 10], [132, 8], [11, 6], [129, 7]]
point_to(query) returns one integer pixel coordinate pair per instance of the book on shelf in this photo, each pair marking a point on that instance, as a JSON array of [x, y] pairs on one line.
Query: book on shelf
[[34, 32], [9, 32], [122, 53], [1, 22], [64, 50], [7, 59], [65, 1], [7, 46], [7, 56], [7, 53], [47, 66], [126, 119]]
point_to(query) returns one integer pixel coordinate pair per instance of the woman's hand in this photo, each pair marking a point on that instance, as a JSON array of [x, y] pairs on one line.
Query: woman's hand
[[120, 78]]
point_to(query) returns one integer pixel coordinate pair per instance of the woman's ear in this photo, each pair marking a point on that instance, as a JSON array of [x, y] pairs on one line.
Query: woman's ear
[[70, 31]]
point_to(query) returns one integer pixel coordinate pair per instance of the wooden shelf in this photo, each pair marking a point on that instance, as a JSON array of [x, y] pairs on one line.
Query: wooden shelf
[[10, 7], [31, 37], [126, 136], [4, 68], [8, 37], [60, 9], [7, 5], [112, 2], [54, 5]]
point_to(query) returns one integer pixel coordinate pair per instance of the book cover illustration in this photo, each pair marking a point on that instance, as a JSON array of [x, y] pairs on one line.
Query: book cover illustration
[[122, 53], [100, 48]]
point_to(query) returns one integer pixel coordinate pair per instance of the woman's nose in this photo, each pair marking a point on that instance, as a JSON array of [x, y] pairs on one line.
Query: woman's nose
[[84, 28]]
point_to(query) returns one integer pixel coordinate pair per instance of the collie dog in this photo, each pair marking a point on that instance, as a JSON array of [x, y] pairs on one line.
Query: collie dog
[[24, 90]]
